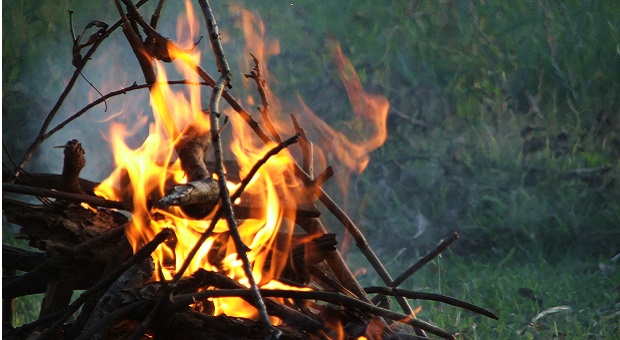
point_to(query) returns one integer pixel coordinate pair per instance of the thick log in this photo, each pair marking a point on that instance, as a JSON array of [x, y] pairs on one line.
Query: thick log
[[59, 290], [201, 194], [112, 300], [84, 273], [61, 226], [193, 325], [15, 258]]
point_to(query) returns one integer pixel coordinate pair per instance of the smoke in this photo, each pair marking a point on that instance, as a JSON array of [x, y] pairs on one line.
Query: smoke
[[41, 70]]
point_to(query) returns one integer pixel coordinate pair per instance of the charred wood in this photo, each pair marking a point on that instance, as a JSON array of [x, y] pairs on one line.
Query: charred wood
[[112, 300], [74, 162]]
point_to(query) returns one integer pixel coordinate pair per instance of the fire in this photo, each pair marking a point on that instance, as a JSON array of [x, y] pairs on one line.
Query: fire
[[143, 174], [370, 120]]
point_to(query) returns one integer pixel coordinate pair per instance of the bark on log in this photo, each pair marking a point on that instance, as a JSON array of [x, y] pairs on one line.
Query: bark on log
[[112, 300], [59, 290], [201, 194], [61, 226], [73, 163]]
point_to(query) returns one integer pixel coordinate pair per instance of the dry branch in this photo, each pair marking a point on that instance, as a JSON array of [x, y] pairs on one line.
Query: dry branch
[[430, 297], [426, 259], [50, 116], [261, 86], [222, 65], [80, 198]]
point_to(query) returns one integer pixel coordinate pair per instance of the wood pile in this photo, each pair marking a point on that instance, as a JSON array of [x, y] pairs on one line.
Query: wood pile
[[82, 243]]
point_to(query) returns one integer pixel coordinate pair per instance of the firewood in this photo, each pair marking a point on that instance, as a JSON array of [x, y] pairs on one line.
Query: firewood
[[194, 325], [199, 196], [48, 181], [21, 259], [203, 278], [60, 227], [136, 276], [84, 248], [73, 163]]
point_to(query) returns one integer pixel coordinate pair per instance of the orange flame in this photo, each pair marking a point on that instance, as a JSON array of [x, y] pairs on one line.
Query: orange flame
[[148, 168], [144, 173], [370, 115]]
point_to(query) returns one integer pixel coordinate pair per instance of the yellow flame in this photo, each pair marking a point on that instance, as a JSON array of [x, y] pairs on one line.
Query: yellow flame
[[144, 173]]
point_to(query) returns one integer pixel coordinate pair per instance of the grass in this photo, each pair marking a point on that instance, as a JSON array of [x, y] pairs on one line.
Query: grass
[[27, 307], [504, 126], [583, 294]]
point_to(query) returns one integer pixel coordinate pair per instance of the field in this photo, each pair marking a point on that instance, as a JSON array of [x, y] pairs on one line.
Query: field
[[504, 125]]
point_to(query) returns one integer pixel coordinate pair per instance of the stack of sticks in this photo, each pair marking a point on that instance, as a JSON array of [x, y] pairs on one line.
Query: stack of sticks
[[85, 249]]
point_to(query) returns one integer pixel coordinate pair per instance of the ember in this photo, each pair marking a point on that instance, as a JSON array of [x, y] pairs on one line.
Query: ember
[[216, 248]]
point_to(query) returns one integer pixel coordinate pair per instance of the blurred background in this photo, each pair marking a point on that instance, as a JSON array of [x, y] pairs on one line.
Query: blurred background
[[503, 125]]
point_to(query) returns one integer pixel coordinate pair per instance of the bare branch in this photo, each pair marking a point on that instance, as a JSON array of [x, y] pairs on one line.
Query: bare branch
[[50, 116], [261, 85]]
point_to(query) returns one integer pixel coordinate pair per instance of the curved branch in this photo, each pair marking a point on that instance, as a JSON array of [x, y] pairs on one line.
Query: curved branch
[[431, 297], [113, 94]]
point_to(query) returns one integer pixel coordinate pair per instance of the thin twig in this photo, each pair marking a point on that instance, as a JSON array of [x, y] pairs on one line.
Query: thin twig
[[306, 146], [242, 249], [92, 200], [113, 94], [424, 260], [156, 14], [261, 86], [431, 297], [27, 178], [52, 113], [362, 244], [137, 46]]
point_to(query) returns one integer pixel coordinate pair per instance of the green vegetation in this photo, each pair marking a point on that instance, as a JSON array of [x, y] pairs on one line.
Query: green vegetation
[[578, 299], [504, 125]]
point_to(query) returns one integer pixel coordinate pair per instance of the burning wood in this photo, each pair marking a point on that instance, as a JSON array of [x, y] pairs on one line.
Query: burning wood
[[216, 245]]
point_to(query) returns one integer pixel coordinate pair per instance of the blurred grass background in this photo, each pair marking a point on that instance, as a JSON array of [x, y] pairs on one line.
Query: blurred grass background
[[504, 125]]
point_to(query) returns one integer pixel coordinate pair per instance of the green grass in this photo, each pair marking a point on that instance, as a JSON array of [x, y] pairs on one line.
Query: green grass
[[26, 308], [584, 293]]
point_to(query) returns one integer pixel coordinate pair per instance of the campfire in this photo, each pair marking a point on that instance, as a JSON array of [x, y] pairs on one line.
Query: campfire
[[175, 243]]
